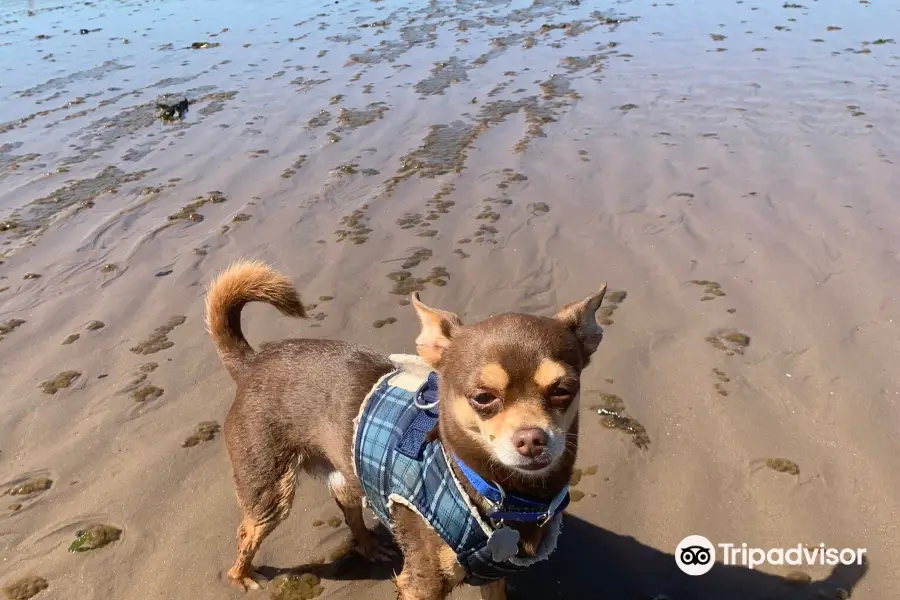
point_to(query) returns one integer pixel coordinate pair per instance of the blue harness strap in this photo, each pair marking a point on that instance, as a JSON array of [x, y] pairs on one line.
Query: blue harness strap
[[412, 443]]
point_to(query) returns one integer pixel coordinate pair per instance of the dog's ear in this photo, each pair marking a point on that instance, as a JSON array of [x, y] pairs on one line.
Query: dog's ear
[[580, 319], [438, 328]]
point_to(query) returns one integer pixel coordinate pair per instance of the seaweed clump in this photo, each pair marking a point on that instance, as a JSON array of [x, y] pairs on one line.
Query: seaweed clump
[[159, 339], [9, 326], [612, 411], [405, 283], [189, 211], [32, 486], [25, 588], [204, 432], [94, 537], [356, 230], [296, 587], [712, 289], [59, 382], [613, 300], [147, 392], [779, 465], [730, 343], [169, 110]]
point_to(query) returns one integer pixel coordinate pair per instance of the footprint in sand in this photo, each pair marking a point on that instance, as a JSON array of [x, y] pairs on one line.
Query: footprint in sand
[[722, 378]]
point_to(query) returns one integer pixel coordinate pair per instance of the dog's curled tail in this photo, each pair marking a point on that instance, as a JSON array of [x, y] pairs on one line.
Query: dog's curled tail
[[243, 282]]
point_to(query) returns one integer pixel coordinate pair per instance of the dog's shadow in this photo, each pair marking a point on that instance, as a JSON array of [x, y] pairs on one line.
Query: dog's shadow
[[349, 567], [591, 562]]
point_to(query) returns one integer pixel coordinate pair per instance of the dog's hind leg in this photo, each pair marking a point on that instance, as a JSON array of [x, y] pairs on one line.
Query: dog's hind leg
[[265, 488], [348, 495], [250, 535]]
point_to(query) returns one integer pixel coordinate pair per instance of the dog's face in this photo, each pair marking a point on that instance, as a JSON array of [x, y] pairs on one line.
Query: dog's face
[[510, 383]]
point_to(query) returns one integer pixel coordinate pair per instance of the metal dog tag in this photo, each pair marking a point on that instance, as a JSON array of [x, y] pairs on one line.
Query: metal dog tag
[[503, 543]]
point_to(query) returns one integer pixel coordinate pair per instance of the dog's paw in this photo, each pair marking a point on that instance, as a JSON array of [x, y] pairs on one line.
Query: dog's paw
[[254, 581], [375, 551]]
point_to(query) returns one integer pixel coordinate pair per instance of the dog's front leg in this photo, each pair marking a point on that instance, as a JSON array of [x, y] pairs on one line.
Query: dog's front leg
[[429, 575], [413, 584], [430, 569], [496, 590]]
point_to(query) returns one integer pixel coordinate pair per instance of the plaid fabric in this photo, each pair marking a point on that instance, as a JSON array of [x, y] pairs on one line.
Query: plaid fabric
[[424, 483]]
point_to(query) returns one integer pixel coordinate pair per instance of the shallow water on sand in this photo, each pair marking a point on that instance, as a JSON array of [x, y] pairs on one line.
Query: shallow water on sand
[[730, 164]]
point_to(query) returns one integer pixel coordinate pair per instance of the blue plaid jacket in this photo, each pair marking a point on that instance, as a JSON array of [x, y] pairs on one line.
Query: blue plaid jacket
[[395, 466]]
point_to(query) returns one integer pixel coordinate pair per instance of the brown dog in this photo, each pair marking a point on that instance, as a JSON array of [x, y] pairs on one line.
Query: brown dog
[[508, 399]]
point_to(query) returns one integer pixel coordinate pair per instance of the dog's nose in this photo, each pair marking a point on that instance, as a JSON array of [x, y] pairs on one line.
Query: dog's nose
[[530, 441]]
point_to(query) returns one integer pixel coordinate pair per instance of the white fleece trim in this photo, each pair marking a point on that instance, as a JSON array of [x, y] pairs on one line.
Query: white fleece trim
[[413, 364], [548, 544], [392, 498]]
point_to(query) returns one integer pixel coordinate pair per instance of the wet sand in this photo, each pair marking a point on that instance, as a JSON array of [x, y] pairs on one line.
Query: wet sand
[[729, 166]]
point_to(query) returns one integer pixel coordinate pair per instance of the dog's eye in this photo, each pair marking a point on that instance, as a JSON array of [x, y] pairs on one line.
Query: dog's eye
[[560, 394], [483, 399]]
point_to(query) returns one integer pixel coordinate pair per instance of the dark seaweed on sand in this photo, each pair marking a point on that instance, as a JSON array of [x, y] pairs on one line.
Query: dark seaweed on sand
[[169, 110]]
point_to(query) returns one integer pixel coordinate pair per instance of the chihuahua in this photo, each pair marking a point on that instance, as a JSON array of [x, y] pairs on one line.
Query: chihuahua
[[464, 452]]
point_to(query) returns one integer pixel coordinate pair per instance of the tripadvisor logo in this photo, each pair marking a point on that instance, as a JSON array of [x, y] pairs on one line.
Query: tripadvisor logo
[[696, 555]]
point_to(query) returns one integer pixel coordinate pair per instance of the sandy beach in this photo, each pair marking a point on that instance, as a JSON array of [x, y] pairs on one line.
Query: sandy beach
[[728, 167]]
